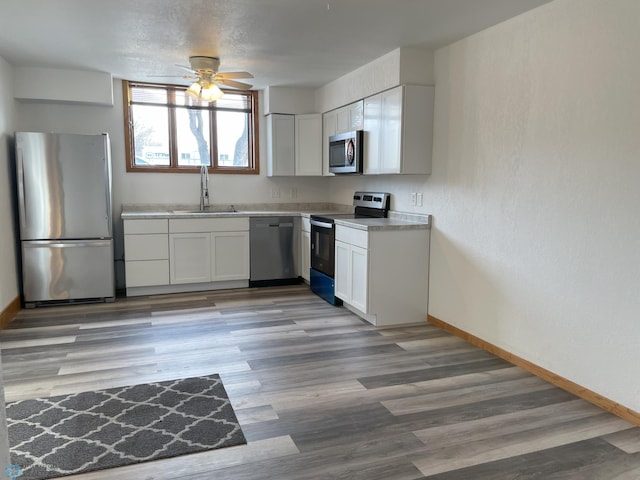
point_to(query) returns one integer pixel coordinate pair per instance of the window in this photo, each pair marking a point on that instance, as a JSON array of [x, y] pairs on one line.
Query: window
[[168, 131]]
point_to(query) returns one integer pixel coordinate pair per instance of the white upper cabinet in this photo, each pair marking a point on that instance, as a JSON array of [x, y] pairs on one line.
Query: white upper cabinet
[[350, 117], [294, 145], [329, 127], [280, 145], [398, 125], [308, 144]]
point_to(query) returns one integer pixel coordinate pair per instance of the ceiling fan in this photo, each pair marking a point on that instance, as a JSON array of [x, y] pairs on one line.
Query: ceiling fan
[[204, 72]]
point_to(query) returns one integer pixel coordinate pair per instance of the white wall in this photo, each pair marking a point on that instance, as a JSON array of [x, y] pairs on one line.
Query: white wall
[[403, 65], [8, 269], [67, 86], [535, 191]]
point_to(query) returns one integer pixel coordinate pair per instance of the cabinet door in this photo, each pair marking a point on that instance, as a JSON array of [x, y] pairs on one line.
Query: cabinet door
[[280, 145], [147, 259], [146, 247], [308, 145], [351, 275], [356, 115], [350, 117], [305, 254], [359, 268], [343, 121], [372, 133], [229, 256], [329, 127], [342, 277], [391, 131], [190, 257], [146, 273]]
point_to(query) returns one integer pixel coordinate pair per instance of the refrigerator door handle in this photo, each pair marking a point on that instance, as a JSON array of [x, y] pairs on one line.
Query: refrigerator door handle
[[66, 243], [20, 166]]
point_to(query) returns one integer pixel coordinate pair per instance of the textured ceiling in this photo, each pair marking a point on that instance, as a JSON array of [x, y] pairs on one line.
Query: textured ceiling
[[282, 42]]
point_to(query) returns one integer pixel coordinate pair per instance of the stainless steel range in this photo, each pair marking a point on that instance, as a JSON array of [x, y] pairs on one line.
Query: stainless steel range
[[321, 279]]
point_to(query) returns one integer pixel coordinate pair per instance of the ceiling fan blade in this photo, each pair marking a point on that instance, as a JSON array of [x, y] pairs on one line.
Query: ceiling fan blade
[[232, 75], [188, 69], [186, 77], [234, 84]]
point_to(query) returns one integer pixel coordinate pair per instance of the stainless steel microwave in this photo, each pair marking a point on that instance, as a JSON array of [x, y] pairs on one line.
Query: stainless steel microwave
[[345, 152]]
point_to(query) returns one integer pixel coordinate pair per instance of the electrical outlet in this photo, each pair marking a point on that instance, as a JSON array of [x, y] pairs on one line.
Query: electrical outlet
[[419, 199], [293, 193], [414, 198], [275, 193]]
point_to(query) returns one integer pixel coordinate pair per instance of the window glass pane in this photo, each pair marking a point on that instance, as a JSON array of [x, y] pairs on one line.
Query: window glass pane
[[233, 139], [150, 135], [183, 99], [167, 122], [149, 95], [192, 129], [236, 101]]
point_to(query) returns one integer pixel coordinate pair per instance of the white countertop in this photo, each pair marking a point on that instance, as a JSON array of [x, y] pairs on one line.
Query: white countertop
[[384, 223], [396, 220]]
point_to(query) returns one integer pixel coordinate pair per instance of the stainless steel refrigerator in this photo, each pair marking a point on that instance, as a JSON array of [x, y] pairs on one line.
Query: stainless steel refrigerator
[[64, 203]]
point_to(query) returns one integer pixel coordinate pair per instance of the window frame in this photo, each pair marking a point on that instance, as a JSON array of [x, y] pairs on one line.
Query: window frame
[[254, 164]]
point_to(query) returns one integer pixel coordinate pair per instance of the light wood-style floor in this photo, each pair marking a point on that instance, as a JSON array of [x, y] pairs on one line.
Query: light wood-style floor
[[320, 393]]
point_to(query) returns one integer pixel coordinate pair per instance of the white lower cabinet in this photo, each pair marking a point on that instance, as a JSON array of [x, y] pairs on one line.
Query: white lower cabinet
[[190, 257], [209, 249], [178, 254], [351, 282], [229, 256], [382, 275], [147, 252]]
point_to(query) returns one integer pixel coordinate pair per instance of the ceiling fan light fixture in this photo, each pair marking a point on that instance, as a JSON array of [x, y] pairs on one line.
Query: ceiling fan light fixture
[[210, 93]]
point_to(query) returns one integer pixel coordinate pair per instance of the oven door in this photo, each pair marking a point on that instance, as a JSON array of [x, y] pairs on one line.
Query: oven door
[[322, 246]]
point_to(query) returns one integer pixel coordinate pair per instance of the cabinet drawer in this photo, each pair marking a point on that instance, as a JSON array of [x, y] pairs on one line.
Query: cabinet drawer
[[146, 226], [147, 273], [146, 247], [352, 236], [192, 225]]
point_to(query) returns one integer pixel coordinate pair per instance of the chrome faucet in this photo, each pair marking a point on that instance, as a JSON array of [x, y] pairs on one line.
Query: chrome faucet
[[204, 188]]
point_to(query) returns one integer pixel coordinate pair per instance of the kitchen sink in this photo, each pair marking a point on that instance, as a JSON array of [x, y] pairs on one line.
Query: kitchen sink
[[225, 212], [190, 211], [203, 212]]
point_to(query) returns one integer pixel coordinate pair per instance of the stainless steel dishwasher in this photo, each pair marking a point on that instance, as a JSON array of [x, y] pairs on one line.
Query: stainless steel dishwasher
[[272, 251]]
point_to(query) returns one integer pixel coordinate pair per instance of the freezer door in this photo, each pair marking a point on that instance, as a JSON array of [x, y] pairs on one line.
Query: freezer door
[[64, 186], [69, 270]]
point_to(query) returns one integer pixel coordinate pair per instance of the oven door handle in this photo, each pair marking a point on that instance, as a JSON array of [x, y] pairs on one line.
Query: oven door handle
[[317, 223]]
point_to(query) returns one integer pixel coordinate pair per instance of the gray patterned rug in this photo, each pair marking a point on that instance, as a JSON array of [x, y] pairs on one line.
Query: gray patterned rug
[[69, 434]]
